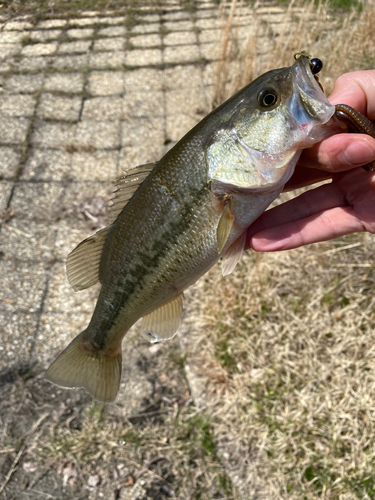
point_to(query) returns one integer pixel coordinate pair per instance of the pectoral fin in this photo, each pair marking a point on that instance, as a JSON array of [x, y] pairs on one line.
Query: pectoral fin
[[225, 226], [163, 323], [233, 254]]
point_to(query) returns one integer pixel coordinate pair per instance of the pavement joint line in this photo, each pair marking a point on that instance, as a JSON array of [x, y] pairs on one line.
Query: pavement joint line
[[25, 150], [55, 260], [122, 67], [40, 310], [85, 80], [59, 181]]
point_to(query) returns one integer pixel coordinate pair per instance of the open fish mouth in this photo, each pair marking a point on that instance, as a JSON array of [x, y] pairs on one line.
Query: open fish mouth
[[308, 105]]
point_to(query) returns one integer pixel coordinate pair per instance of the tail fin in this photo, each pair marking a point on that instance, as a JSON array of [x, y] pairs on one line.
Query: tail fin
[[78, 367]]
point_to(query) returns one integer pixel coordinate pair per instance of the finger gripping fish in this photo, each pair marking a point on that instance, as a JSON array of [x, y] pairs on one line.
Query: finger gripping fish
[[174, 219]]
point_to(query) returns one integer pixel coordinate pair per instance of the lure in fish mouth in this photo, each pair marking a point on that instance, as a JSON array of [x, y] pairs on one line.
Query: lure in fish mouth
[[354, 121], [173, 220]]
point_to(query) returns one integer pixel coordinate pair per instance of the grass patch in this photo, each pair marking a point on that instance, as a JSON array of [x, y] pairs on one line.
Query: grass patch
[[178, 451], [167, 450], [297, 383]]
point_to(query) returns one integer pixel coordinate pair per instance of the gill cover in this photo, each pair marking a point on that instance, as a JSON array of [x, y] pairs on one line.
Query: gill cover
[[280, 113]]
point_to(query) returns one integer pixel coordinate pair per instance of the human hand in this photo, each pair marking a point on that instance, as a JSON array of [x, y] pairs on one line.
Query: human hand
[[347, 204]]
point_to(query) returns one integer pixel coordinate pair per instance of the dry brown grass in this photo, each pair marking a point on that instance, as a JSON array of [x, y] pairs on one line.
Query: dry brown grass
[[287, 347], [286, 344], [344, 41]]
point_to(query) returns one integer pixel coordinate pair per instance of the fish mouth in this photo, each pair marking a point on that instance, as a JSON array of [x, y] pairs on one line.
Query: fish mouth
[[308, 105]]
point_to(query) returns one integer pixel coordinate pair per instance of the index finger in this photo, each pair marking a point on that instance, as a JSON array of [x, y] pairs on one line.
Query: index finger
[[356, 89], [339, 152], [346, 151]]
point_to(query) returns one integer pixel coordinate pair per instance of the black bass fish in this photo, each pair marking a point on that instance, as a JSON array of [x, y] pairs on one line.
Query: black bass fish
[[174, 219]]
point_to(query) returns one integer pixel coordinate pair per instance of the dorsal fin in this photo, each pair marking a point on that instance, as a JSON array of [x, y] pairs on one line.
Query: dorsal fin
[[233, 254], [126, 186], [82, 265], [163, 323], [224, 227]]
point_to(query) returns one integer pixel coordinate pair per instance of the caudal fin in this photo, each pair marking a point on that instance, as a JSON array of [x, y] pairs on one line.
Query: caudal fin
[[78, 367]]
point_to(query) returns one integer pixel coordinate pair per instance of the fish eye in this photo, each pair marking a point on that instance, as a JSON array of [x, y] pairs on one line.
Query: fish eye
[[267, 98], [316, 65]]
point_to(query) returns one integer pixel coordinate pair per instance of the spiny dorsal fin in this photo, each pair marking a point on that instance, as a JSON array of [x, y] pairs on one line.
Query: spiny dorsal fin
[[82, 266], [233, 254], [163, 323], [224, 227], [126, 186]]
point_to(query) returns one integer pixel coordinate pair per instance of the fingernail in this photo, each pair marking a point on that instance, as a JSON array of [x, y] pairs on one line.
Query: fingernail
[[359, 153]]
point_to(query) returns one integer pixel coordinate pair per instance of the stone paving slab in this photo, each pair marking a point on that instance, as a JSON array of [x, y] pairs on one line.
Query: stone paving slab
[[9, 162], [23, 83], [25, 240], [107, 44], [69, 83], [58, 107]]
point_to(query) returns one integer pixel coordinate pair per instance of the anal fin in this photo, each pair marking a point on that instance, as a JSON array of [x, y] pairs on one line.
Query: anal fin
[[83, 262], [233, 254], [163, 323]]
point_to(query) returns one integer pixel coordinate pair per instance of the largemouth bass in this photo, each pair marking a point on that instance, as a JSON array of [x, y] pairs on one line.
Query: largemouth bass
[[174, 219]]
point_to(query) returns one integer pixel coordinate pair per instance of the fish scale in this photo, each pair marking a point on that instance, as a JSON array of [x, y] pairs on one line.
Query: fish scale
[[173, 221]]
